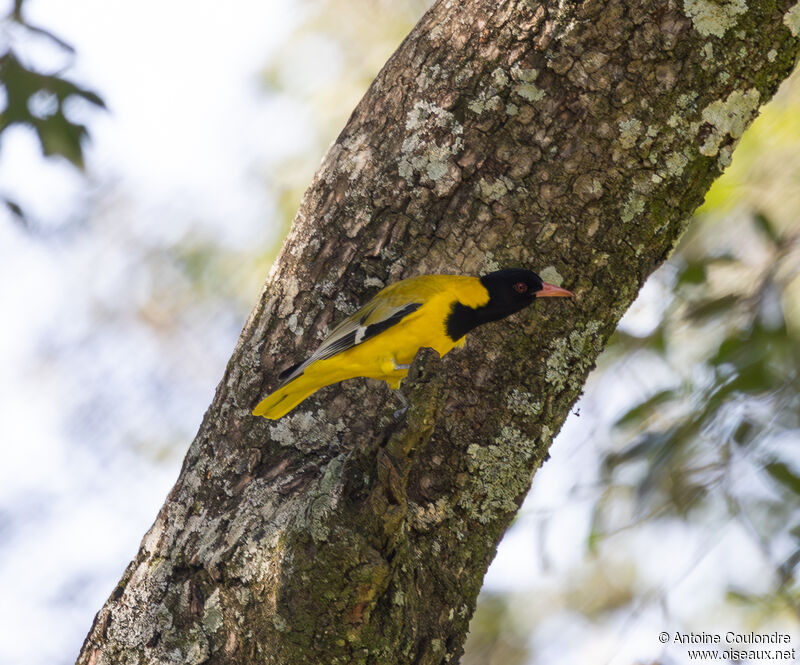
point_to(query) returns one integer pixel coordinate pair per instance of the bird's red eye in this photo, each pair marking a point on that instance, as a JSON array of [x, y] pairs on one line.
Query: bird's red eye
[[520, 287]]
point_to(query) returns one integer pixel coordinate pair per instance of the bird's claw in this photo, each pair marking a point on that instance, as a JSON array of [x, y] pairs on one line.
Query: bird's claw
[[401, 411]]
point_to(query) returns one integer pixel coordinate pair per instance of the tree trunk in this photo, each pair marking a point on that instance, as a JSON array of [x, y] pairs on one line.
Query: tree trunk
[[572, 138]]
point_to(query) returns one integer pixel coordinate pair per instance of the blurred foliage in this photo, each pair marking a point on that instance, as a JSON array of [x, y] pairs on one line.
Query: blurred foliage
[[43, 101], [730, 337], [39, 100], [502, 639], [325, 66]]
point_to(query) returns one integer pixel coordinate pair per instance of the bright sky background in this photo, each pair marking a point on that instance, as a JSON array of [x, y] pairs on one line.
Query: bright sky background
[[186, 147]]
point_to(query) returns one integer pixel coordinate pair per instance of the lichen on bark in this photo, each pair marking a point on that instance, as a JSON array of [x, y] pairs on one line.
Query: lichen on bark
[[572, 137]]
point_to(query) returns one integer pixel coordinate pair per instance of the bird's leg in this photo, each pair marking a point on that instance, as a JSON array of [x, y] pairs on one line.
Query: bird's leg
[[393, 374], [401, 411], [390, 366], [401, 367]]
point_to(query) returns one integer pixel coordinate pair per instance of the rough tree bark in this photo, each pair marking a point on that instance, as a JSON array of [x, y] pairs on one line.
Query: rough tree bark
[[575, 138]]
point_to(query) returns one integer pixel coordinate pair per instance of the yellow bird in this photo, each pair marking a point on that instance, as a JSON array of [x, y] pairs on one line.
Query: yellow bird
[[381, 339]]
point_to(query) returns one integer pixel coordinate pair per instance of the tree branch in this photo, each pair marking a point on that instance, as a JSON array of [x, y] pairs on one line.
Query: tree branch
[[572, 138]]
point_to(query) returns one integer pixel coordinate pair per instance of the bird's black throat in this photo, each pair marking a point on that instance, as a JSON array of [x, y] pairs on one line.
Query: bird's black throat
[[462, 319]]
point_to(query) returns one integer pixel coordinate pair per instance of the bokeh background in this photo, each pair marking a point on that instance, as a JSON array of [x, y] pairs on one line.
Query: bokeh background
[[152, 155]]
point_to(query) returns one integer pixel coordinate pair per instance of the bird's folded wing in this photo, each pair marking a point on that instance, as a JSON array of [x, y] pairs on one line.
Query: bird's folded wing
[[366, 323]]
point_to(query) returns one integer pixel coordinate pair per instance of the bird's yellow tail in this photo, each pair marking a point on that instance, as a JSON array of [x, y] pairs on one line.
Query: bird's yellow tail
[[285, 398]]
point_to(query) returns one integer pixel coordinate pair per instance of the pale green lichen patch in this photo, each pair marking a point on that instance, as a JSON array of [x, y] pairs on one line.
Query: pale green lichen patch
[[725, 156], [425, 113], [569, 358], [791, 20], [629, 132], [499, 474], [512, 109], [481, 104], [529, 91], [477, 106], [429, 76], [500, 78], [429, 515], [290, 290], [291, 324], [324, 501], [525, 75], [374, 282], [212, 613], [342, 304], [302, 430], [164, 619], [197, 649], [497, 189], [487, 99], [489, 263], [729, 118], [676, 162], [588, 187], [633, 206], [280, 623], [357, 155], [151, 538], [687, 99], [714, 17], [420, 152], [550, 274], [523, 403]]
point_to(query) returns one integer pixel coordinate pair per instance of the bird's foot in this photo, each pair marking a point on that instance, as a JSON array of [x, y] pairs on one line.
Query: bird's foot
[[402, 411]]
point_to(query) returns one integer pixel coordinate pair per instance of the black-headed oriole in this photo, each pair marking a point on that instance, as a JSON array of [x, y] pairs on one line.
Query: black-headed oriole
[[381, 339]]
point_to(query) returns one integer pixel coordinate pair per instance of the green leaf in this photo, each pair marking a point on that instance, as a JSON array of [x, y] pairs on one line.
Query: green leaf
[[707, 309], [744, 433], [784, 475], [57, 134], [692, 273], [16, 210], [652, 446], [644, 409], [740, 596], [765, 225], [64, 89]]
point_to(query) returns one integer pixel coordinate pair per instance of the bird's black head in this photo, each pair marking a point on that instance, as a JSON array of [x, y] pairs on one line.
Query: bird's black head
[[510, 290]]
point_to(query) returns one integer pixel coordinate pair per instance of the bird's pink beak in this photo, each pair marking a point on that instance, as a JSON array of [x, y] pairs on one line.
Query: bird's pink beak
[[553, 291]]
